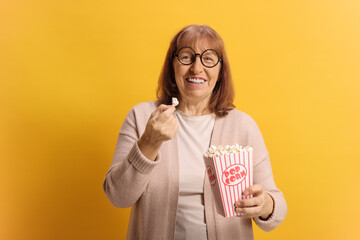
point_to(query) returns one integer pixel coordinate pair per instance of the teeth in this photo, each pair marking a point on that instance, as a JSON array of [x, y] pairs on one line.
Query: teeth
[[195, 80]]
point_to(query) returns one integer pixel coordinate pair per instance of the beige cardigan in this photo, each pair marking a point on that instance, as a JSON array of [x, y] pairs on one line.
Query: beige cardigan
[[151, 187]]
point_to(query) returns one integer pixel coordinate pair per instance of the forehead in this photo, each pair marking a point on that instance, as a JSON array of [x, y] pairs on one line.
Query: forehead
[[199, 44]]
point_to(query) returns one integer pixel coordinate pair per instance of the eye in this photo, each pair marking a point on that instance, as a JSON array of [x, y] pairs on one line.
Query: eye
[[186, 57], [209, 59]]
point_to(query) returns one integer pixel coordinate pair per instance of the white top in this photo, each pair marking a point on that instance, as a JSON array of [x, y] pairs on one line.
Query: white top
[[193, 139]]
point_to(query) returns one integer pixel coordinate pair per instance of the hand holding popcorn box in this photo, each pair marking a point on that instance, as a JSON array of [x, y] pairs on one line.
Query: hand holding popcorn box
[[230, 172]]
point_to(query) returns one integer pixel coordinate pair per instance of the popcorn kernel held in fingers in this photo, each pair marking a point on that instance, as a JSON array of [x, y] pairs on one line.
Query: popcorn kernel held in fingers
[[175, 101]]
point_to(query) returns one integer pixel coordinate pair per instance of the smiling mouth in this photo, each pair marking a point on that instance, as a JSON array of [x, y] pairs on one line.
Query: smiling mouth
[[195, 80]]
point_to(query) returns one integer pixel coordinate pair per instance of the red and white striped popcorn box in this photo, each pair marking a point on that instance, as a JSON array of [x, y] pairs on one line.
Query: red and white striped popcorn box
[[229, 176]]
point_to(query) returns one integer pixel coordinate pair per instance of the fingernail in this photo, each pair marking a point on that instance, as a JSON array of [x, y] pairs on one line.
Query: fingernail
[[246, 193]]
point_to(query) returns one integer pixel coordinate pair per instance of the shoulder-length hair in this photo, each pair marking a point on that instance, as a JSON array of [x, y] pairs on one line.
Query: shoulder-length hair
[[223, 94]]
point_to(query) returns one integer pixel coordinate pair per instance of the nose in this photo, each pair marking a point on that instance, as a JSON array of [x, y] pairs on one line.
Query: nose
[[196, 66]]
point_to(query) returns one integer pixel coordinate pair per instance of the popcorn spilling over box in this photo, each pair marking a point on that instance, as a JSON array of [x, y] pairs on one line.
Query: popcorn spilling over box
[[230, 172]]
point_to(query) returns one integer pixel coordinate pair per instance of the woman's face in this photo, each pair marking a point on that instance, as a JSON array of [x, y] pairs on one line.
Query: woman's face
[[195, 81]]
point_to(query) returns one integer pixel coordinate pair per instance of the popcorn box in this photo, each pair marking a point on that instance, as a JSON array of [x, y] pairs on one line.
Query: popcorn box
[[229, 175]]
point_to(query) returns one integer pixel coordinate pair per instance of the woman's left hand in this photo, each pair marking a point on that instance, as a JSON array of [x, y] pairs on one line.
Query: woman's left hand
[[260, 205]]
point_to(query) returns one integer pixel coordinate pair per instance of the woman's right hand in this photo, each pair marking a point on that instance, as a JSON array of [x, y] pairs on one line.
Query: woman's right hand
[[161, 126]]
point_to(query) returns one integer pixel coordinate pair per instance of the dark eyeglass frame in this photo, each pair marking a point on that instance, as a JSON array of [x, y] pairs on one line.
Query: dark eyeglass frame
[[198, 54]]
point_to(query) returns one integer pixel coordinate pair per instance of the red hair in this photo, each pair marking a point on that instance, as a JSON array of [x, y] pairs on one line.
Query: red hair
[[222, 97]]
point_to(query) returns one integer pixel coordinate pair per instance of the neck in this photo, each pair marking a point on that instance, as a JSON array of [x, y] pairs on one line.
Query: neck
[[194, 109]]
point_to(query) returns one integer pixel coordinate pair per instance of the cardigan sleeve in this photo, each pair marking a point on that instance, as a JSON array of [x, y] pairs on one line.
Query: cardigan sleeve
[[265, 178], [130, 170], [263, 175]]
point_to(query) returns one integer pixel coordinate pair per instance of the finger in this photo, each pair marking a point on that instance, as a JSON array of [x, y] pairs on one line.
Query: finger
[[174, 126], [163, 107], [169, 110], [250, 202], [166, 114], [249, 212], [255, 190], [171, 122], [171, 127], [162, 113]]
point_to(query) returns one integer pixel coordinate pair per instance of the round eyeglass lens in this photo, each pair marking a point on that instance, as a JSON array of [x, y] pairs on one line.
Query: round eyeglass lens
[[186, 56], [210, 58]]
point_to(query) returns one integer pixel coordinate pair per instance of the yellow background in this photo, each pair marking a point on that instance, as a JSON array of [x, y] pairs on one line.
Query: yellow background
[[71, 70]]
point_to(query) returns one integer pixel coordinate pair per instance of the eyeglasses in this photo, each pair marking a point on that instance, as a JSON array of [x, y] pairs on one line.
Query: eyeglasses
[[209, 58]]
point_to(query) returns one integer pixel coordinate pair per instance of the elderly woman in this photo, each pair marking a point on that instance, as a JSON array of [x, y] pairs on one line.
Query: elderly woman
[[158, 167]]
